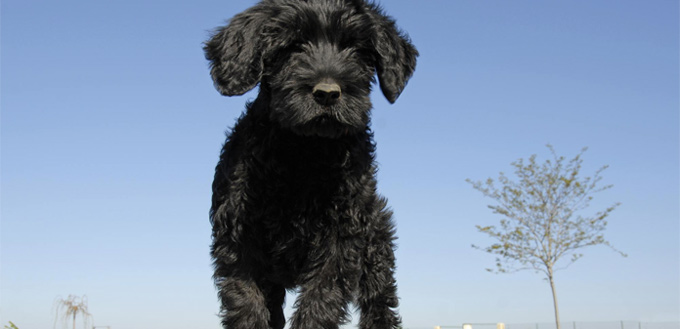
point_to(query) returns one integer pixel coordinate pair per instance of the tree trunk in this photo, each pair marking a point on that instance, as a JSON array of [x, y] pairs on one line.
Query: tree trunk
[[554, 294]]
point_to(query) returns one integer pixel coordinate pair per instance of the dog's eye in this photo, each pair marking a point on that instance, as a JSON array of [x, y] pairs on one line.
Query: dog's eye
[[294, 48], [347, 43], [367, 55]]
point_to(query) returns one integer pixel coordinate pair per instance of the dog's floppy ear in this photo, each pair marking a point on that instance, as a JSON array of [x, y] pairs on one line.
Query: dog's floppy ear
[[396, 56], [235, 52]]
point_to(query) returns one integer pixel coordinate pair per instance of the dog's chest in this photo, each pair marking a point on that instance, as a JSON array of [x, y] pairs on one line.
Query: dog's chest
[[301, 203], [303, 186], [306, 204], [295, 218]]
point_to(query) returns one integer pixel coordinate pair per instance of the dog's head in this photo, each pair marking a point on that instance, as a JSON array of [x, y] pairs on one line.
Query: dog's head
[[315, 60]]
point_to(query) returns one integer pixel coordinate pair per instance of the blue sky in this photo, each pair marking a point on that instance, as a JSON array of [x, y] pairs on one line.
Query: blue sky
[[111, 129]]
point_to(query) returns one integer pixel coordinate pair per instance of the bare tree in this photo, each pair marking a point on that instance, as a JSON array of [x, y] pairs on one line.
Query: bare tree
[[67, 309], [542, 228]]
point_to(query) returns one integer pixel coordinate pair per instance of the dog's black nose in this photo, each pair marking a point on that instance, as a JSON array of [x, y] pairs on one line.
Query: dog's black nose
[[326, 93]]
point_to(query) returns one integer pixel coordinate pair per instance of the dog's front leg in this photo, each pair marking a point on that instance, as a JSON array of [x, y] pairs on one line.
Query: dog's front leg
[[377, 287], [327, 288], [243, 304]]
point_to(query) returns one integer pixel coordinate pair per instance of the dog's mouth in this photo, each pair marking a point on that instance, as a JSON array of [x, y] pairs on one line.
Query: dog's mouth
[[324, 125]]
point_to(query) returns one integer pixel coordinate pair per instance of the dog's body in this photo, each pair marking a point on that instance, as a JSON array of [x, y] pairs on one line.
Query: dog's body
[[294, 196]]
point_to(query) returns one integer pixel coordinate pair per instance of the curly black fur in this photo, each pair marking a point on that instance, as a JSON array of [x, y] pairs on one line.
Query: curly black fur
[[294, 197]]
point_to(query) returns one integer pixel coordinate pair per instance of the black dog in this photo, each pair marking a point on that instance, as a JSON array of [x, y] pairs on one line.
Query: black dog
[[294, 197]]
